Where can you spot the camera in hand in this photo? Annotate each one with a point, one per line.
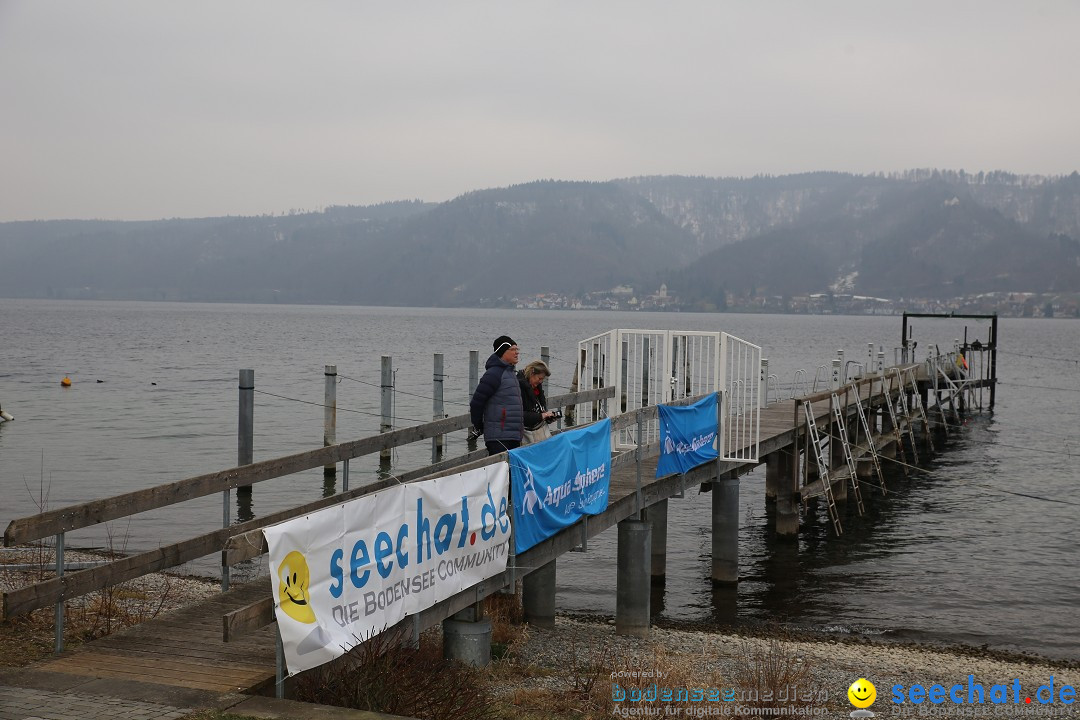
(555, 415)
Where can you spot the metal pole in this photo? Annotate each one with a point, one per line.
(437, 410)
(279, 674)
(637, 459)
(387, 388)
(993, 359)
(763, 397)
(330, 414)
(59, 619)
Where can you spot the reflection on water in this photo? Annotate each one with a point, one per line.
(951, 551)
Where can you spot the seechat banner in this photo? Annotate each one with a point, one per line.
(687, 435)
(343, 574)
(558, 481)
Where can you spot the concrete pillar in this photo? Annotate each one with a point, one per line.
(632, 583)
(888, 444)
(725, 530)
(772, 476)
(538, 596)
(787, 509)
(656, 515)
(467, 641)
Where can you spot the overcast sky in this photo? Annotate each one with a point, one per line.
(140, 110)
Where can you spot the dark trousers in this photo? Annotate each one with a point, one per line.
(494, 447)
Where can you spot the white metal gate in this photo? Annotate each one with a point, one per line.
(740, 434)
(651, 367)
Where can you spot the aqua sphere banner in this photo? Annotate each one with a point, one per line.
(558, 481)
(687, 435)
(345, 573)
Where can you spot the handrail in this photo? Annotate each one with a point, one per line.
(46, 593)
(75, 517)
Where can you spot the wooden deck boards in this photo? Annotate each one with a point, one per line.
(182, 648)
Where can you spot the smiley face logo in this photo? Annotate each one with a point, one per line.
(862, 693)
(293, 579)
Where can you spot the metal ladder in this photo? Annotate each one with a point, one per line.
(922, 409)
(823, 467)
(845, 446)
(906, 414)
(869, 435)
(937, 394)
(896, 430)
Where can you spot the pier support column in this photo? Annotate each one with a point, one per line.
(632, 583)
(538, 596)
(787, 508)
(888, 444)
(725, 530)
(837, 464)
(656, 515)
(467, 636)
(773, 481)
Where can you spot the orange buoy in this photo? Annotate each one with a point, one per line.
(66, 382)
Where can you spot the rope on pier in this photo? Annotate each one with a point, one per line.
(359, 412)
(1038, 387)
(404, 392)
(991, 488)
(1041, 357)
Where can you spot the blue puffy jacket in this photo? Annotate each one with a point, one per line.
(495, 407)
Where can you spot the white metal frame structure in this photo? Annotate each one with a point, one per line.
(740, 362)
(652, 367)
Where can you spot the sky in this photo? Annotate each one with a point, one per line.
(139, 109)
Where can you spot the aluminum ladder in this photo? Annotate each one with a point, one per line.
(845, 446)
(823, 467)
(869, 435)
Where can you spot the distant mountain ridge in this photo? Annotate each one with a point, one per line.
(923, 233)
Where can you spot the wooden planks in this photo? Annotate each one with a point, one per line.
(182, 648)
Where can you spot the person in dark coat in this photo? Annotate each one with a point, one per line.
(533, 402)
(496, 408)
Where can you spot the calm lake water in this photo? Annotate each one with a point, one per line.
(979, 548)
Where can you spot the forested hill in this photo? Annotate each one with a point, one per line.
(925, 233)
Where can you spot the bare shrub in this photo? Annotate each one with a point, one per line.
(383, 675)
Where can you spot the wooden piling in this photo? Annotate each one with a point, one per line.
(386, 424)
(330, 413)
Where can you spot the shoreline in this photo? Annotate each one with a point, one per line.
(824, 666)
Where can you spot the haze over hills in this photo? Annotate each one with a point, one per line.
(921, 233)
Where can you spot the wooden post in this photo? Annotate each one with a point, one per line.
(474, 371)
(330, 413)
(387, 389)
(437, 410)
(246, 433)
(245, 454)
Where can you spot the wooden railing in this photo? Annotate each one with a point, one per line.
(73, 517)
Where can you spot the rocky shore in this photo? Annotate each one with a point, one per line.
(829, 665)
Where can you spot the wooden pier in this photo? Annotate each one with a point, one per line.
(228, 641)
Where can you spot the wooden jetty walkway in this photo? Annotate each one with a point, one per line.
(228, 641)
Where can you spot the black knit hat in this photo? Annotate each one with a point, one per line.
(502, 344)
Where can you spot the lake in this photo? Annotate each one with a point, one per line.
(977, 548)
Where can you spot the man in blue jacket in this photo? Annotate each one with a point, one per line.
(496, 405)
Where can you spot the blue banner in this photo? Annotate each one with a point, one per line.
(686, 436)
(558, 481)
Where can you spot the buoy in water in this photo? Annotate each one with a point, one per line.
(66, 382)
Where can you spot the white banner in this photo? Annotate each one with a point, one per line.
(350, 571)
